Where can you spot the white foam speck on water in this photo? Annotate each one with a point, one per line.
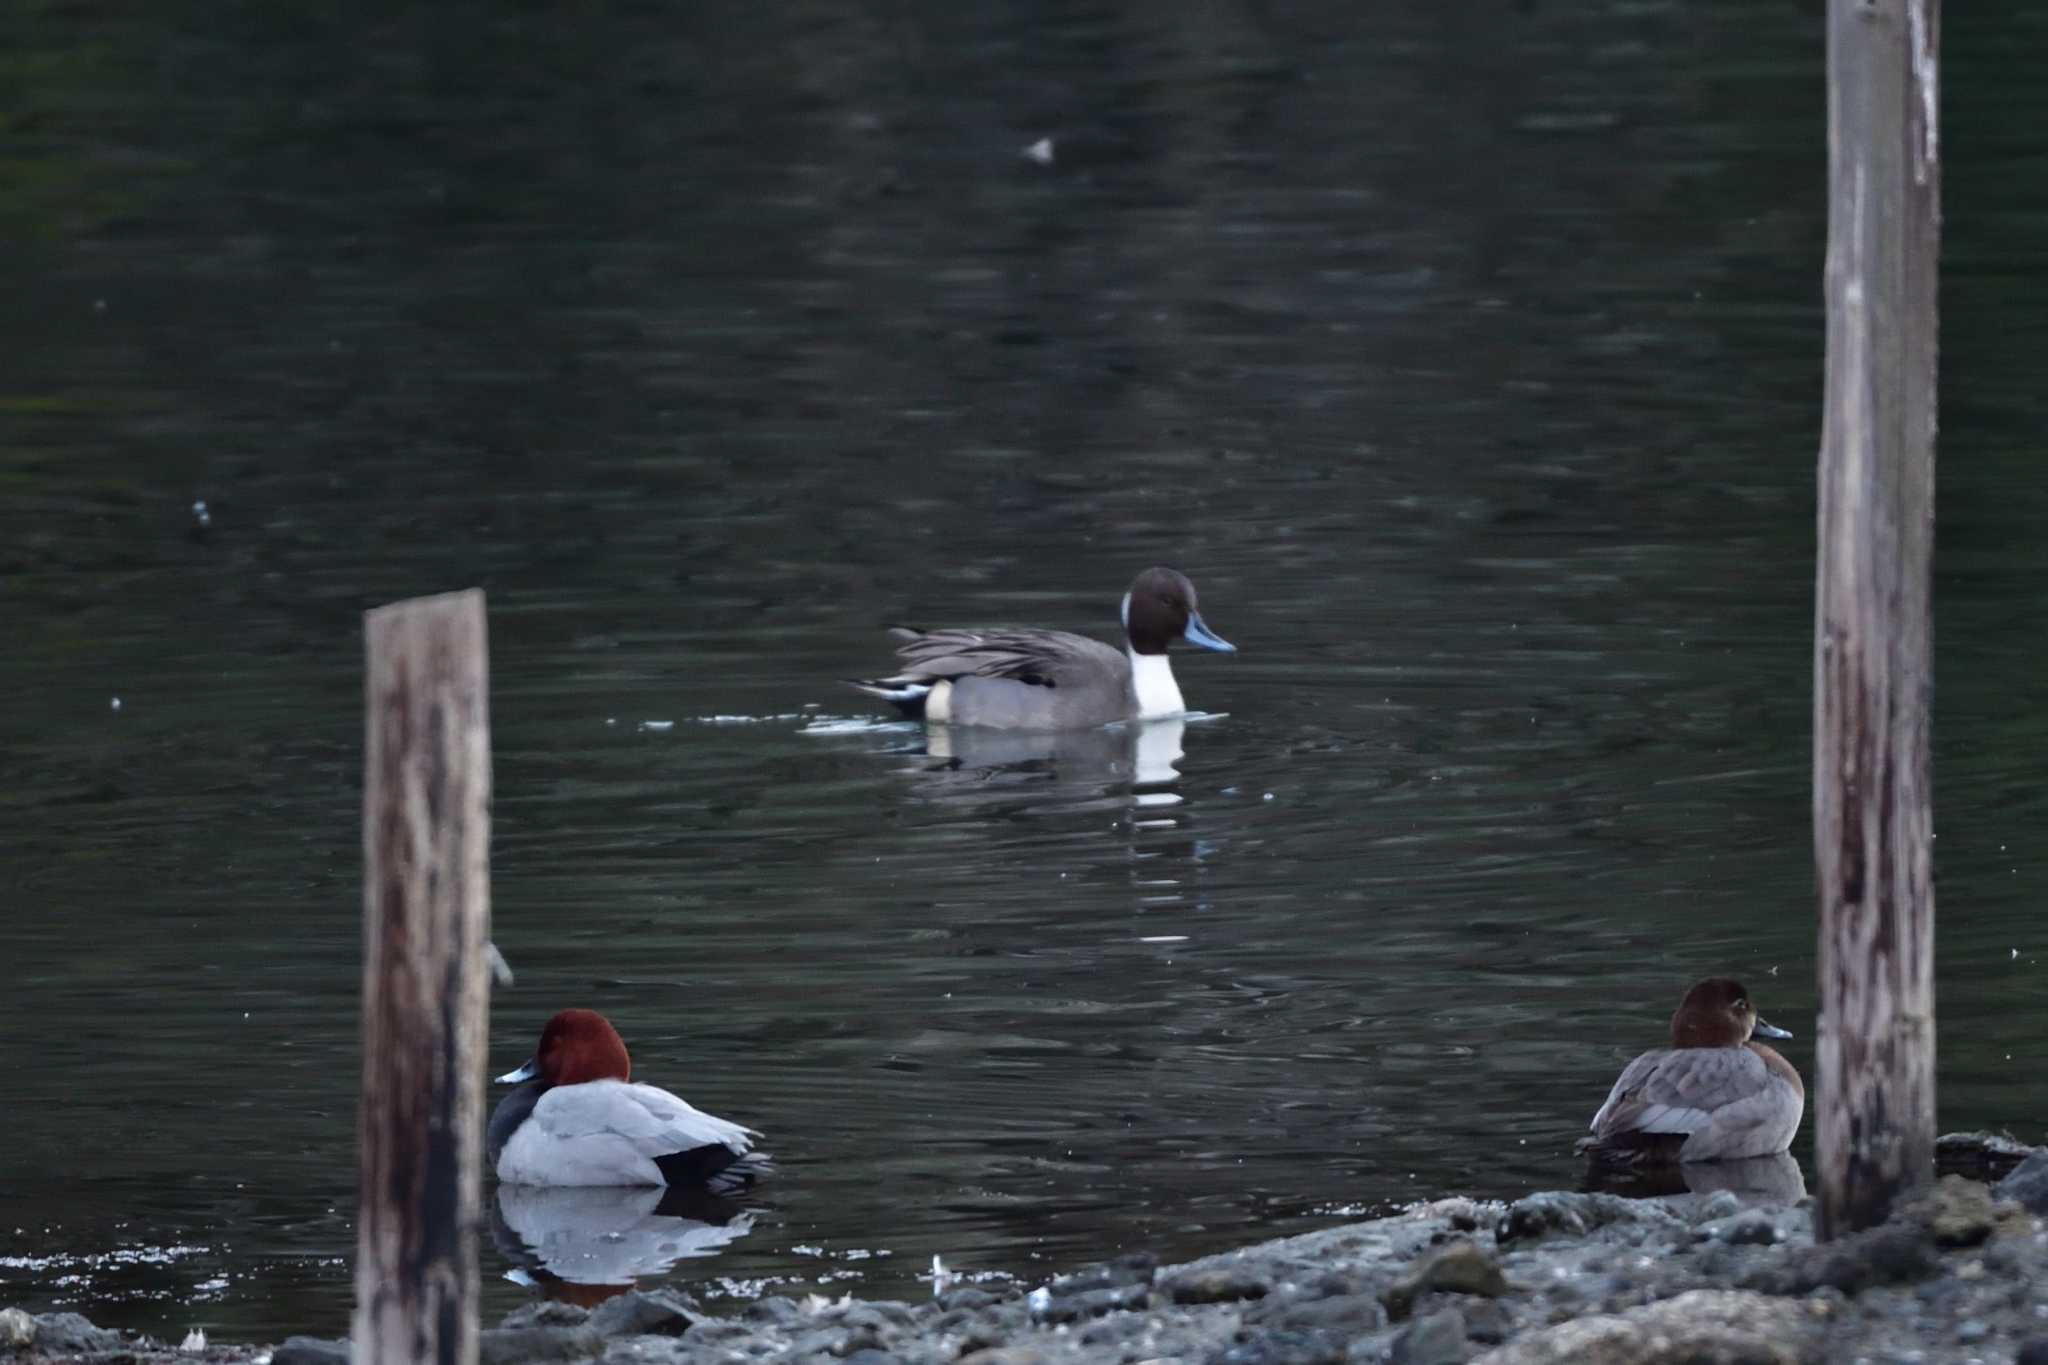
(657, 725)
(1164, 938)
(104, 1260)
(856, 725)
(194, 1342)
(783, 716)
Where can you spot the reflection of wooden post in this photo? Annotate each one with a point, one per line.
(1873, 821)
(426, 988)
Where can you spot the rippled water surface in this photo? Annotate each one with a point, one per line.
(1466, 355)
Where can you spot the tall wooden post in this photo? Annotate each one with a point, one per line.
(426, 985)
(1872, 806)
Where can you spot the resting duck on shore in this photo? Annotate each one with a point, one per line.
(1713, 1095)
(577, 1120)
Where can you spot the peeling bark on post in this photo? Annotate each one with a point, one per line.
(426, 987)
(1873, 820)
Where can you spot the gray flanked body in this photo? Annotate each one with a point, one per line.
(1018, 679)
(1726, 1102)
(1031, 679)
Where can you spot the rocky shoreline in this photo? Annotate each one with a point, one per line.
(1707, 1275)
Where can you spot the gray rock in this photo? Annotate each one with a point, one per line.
(311, 1351)
(69, 1334)
(775, 1308)
(1486, 1321)
(1705, 1325)
(1007, 1355)
(1459, 1267)
(1432, 1339)
(835, 1341)
(1957, 1212)
(1344, 1314)
(966, 1297)
(1093, 1303)
(1555, 1211)
(654, 1351)
(876, 1315)
(2028, 1184)
(1894, 1253)
(1280, 1348)
(639, 1313)
(1716, 1206)
(1136, 1268)
(1215, 1286)
(522, 1345)
(1973, 1329)
(546, 1313)
(17, 1329)
(1750, 1228)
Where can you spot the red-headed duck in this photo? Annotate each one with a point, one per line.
(577, 1120)
(1714, 1095)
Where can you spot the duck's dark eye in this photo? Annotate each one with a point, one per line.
(1741, 1004)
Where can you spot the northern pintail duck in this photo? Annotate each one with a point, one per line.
(576, 1119)
(1029, 679)
(1714, 1095)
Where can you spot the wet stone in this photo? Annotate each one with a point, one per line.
(643, 1313)
(1973, 1329)
(1958, 1212)
(1486, 1321)
(546, 1313)
(1135, 1268)
(312, 1351)
(69, 1334)
(1701, 1326)
(1433, 1339)
(1349, 1314)
(1895, 1253)
(654, 1351)
(1555, 1211)
(1718, 1205)
(518, 1345)
(1215, 1286)
(2028, 1184)
(783, 1312)
(1280, 1348)
(968, 1297)
(17, 1329)
(1460, 1267)
(1093, 1303)
(1751, 1228)
(1007, 1355)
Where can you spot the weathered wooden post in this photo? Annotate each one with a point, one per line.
(1872, 809)
(426, 988)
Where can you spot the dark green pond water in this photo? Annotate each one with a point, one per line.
(1467, 355)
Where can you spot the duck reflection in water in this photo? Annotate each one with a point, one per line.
(1773, 1181)
(1146, 754)
(584, 1244)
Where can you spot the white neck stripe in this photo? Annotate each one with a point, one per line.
(1153, 685)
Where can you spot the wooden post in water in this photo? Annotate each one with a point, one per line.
(1872, 806)
(426, 988)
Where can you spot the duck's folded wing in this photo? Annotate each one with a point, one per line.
(1679, 1090)
(1031, 656)
(650, 1120)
